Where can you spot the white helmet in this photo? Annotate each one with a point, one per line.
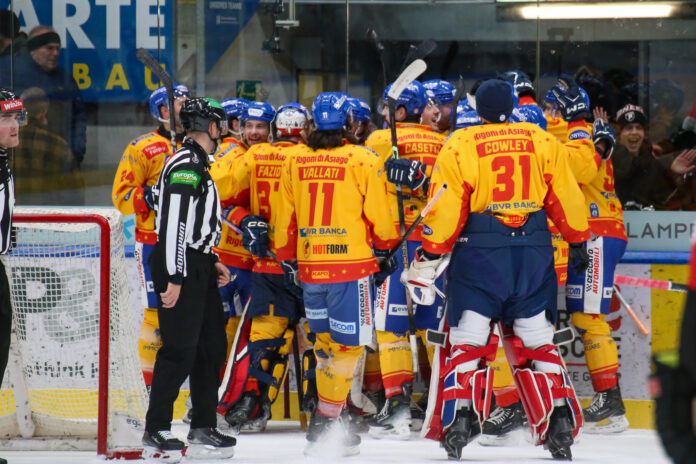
(291, 120)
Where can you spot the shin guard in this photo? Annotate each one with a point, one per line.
(540, 392)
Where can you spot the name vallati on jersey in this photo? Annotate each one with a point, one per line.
(322, 173)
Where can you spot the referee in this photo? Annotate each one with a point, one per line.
(12, 116)
(186, 274)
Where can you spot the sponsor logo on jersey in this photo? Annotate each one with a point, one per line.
(321, 275)
(427, 230)
(155, 149)
(494, 147)
(398, 310)
(322, 173)
(321, 313)
(608, 292)
(592, 273)
(594, 210)
(305, 248)
(267, 171)
(578, 135)
(574, 292)
(342, 327)
(324, 231)
(149, 287)
(186, 178)
(329, 249)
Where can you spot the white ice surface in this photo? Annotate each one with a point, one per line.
(283, 442)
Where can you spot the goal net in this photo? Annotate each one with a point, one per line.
(73, 380)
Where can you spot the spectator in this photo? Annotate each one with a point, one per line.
(12, 41)
(67, 116)
(640, 180)
(43, 163)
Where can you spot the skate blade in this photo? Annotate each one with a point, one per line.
(507, 439)
(615, 424)
(199, 451)
(330, 450)
(158, 455)
(400, 432)
(254, 426)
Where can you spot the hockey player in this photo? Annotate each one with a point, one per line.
(526, 110)
(418, 148)
(137, 172)
(334, 212)
(361, 125)
(503, 180)
(589, 293)
(256, 116)
(273, 309)
(234, 109)
(186, 275)
(440, 102)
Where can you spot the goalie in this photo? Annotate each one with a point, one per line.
(504, 179)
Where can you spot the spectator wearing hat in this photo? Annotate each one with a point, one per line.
(641, 181)
(67, 115)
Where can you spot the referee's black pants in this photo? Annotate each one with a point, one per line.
(5, 320)
(194, 343)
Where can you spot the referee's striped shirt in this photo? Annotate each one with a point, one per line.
(187, 208)
(7, 202)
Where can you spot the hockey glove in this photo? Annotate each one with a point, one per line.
(148, 198)
(420, 277)
(578, 257)
(255, 235)
(603, 132)
(386, 266)
(406, 172)
(572, 100)
(292, 278)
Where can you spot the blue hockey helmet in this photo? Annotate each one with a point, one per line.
(412, 98)
(467, 119)
(258, 111)
(529, 113)
(159, 98)
(234, 107)
(441, 90)
(360, 109)
(330, 111)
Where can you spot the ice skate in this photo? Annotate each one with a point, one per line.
(187, 417)
(501, 426)
(241, 411)
(209, 443)
(606, 413)
(560, 435)
(162, 446)
(394, 420)
(464, 428)
(329, 437)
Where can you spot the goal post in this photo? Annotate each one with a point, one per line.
(74, 379)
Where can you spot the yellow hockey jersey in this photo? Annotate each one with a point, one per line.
(334, 206)
(139, 167)
(557, 127)
(508, 171)
(415, 141)
(255, 186)
(229, 249)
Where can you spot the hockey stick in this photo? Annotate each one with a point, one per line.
(644, 330)
(298, 378)
(418, 220)
(650, 283)
(411, 72)
(418, 52)
(460, 91)
(372, 37)
(150, 63)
